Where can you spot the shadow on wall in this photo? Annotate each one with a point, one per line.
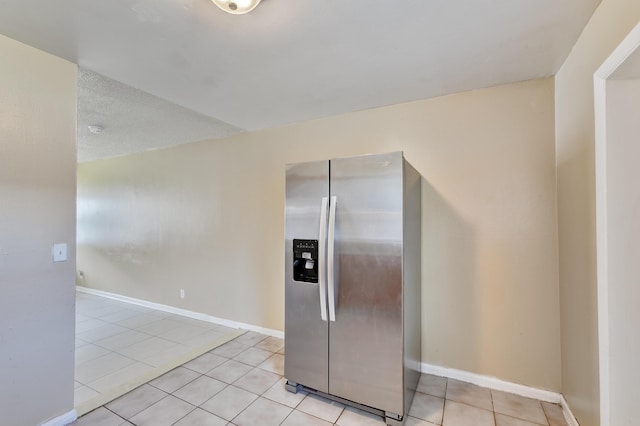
(578, 291)
(450, 315)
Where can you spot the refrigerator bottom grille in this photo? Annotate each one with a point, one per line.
(392, 419)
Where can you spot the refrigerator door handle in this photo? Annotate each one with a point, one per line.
(322, 259)
(330, 260)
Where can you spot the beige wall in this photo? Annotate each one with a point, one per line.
(623, 210)
(208, 217)
(37, 209)
(576, 202)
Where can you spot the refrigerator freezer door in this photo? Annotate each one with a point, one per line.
(366, 340)
(306, 328)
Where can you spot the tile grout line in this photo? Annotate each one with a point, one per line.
(493, 408)
(146, 408)
(295, 408)
(115, 371)
(226, 384)
(133, 362)
(288, 415)
(545, 414)
(195, 407)
(111, 411)
(260, 395)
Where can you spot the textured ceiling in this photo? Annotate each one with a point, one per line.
(290, 61)
(134, 120)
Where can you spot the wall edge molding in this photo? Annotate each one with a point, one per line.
(502, 385)
(183, 312)
(627, 47)
(62, 420)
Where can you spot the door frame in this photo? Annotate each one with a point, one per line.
(629, 46)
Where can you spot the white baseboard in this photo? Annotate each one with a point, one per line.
(464, 376)
(568, 414)
(63, 420)
(183, 312)
(502, 385)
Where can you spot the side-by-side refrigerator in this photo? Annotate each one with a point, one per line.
(352, 281)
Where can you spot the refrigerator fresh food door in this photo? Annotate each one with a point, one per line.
(306, 325)
(365, 340)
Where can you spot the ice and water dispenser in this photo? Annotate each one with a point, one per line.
(305, 260)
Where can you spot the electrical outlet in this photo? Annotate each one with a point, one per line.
(182, 293)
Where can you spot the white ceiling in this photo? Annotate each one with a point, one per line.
(291, 60)
(134, 120)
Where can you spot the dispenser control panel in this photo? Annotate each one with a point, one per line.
(305, 260)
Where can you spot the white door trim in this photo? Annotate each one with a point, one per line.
(628, 46)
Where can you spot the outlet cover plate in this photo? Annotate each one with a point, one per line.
(59, 252)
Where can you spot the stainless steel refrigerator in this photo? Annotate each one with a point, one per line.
(352, 281)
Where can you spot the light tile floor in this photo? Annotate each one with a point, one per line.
(117, 342)
(241, 383)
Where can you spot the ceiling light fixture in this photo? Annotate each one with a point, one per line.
(236, 7)
(95, 129)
